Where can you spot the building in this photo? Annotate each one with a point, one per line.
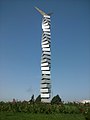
(85, 101)
(45, 87)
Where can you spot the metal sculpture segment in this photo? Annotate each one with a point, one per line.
(45, 88)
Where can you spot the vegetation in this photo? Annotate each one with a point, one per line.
(35, 110)
(87, 114)
(56, 100)
(27, 116)
(38, 99)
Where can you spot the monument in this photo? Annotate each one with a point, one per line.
(45, 87)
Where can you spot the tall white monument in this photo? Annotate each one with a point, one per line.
(45, 87)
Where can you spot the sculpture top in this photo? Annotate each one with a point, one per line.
(42, 13)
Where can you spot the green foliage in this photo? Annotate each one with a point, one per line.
(38, 99)
(32, 116)
(45, 108)
(87, 114)
(56, 100)
(32, 99)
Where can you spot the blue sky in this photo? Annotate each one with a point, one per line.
(20, 48)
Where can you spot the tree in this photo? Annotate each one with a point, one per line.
(38, 99)
(56, 100)
(32, 99)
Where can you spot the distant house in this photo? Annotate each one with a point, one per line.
(85, 101)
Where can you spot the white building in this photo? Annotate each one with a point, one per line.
(85, 101)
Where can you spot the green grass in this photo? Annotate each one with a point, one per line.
(27, 116)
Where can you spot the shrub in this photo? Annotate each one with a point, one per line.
(56, 100)
(87, 115)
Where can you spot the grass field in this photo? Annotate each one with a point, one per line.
(27, 116)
